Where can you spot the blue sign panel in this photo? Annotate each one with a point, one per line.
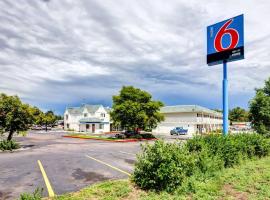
(225, 41)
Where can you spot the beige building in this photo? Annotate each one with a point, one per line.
(196, 119)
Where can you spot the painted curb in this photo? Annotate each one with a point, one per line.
(127, 140)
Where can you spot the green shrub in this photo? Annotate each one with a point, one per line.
(232, 148)
(147, 136)
(166, 166)
(163, 166)
(137, 136)
(8, 145)
(36, 195)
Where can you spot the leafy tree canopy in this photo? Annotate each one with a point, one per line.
(15, 116)
(134, 108)
(260, 109)
(238, 115)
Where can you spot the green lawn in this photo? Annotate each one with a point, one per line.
(251, 180)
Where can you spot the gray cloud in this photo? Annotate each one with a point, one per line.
(60, 52)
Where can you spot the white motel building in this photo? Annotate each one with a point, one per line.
(96, 119)
(196, 119)
(87, 118)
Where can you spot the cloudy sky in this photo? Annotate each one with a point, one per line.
(55, 53)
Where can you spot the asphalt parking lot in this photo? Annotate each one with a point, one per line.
(70, 164)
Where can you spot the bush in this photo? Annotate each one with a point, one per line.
(36, 195)
(163, 166)
(147, 136)
(137, 136)
(233, 148)
(8, 145)
(166, 166)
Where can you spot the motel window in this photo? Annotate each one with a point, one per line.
(101, 126)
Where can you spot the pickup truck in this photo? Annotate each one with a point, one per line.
(179, 131)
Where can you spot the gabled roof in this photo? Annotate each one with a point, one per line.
(188, 108)
(79, 110)
(92, 108)
(75, 110)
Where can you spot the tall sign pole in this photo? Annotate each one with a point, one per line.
(225, 43)
(225, 99)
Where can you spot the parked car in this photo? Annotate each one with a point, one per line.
(36, 127)
(179, 131)
(48, 127)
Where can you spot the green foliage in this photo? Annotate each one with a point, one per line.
(166, 166)
(36, 195)
(37, 115)
(134, 108)
(15, 116)
(233, 148)
(8, 145)
(136, 136)
(108, 190)
(41, 118)
(147, 136)
(163, 166)
(143, 136)
(260, 110)
(238, 115)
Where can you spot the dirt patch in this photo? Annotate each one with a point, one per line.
(4, 195)
(230, 191)
(129, 161)
(79, 174)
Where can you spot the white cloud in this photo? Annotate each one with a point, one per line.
(55, 52)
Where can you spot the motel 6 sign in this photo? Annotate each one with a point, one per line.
(225, 41)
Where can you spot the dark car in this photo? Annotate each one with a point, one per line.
(179, 131)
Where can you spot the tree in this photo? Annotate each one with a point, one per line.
(48, 118)
(37, 115)
(134, 108)
(238, 115)
(260, 109)
(15, 116)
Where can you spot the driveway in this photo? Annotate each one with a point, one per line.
(70, 164)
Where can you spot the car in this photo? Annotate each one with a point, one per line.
(48, 127)
(36, 127)
(179, 131)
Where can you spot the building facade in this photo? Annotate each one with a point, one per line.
(87, 118)
(196, 119)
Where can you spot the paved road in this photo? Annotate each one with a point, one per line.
(65, 162)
